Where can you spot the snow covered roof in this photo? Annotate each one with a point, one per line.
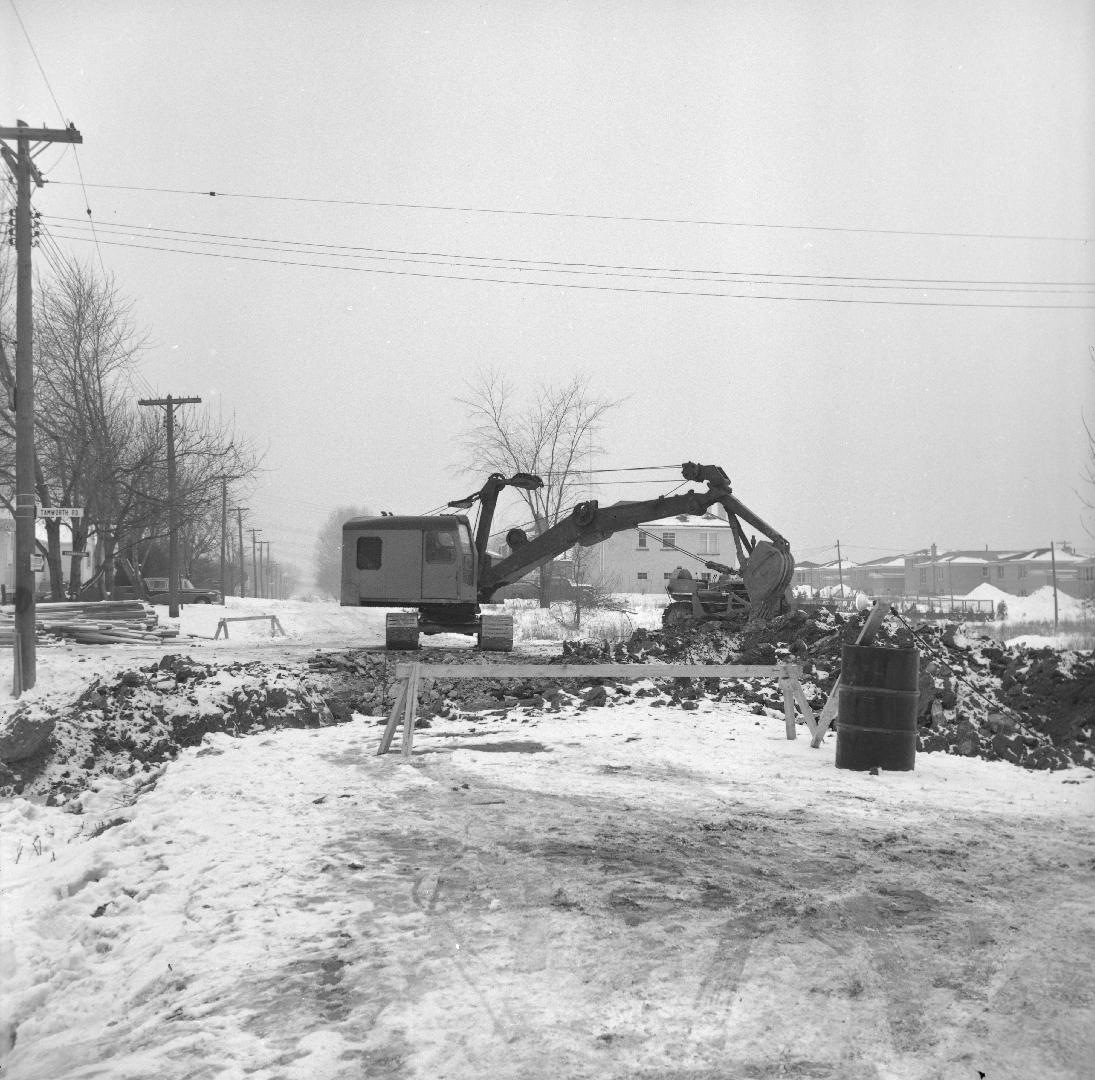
(897, 561)
(1044, 555)
(687, 521)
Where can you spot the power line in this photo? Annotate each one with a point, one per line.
(844, 280)
(63, 118)
(34, 53)
(649, 219)
(585, 286)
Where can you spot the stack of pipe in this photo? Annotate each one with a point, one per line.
(93, 622)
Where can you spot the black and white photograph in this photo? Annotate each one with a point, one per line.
(547, 540)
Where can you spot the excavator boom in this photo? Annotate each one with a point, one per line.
(767, 570)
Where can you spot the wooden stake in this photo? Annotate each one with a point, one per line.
(804, 705)
(788, 707)
(393, 718)
(410, 710)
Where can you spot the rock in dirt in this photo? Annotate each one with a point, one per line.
(24, 735)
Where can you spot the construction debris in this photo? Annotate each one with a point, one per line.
(131, 723)
(92, 622)
(978, 698)
(1031, 707)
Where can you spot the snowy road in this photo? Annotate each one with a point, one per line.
(625, 892)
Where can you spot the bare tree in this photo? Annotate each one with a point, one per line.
(551, 435)
(94, 448)
(327, 554)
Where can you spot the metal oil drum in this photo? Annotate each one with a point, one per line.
(876, 711)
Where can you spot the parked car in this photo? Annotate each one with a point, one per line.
(159, 590)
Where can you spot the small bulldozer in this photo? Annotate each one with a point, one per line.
(732, 598)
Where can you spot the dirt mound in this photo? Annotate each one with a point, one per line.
(1032, 707)
(131, 723)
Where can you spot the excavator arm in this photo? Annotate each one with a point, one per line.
(767, 566)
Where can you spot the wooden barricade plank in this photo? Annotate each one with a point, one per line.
(804, 705)
(275, 624)
(409, 676)
(788, 706)
(601, 671)
(394, 718)
(410, 708)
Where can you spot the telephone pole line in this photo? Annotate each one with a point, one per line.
(23, 170)
(254, 573)
(266, 572)
(224, 537)
(171, 404)
(239, 511)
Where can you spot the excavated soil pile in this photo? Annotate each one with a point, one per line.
(1032, 707)
(133, 722)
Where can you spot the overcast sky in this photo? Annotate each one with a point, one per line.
(720, 170)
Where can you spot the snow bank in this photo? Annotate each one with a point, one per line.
(1034, 608)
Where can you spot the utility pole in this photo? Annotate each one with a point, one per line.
(171, 404)
(224, 536)
(254, 572)
(239, 512)
(266, 571)
(1053, 565)
(260, 581)
(23, 169)
(840, 569)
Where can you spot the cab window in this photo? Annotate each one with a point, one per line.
(440, 546)
(368, 552)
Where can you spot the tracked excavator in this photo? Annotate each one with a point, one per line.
(436, 567)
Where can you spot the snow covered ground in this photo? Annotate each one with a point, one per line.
(631, 891)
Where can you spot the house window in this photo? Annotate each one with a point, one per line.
(708, 543)
(642, 540)
(923, 577)
(643, 575)
(669, 539)
(1022, 574)
(999, 573)
(1087, 573)
(665, 577)
(368, 552)
(984, 571)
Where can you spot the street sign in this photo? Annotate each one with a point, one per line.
(75, 554)
(60, 511)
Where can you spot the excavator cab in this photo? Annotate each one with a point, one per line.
(394, 561)
(425, 563)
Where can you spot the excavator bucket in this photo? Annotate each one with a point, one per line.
(767, 574)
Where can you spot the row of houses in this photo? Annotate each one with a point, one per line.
(929, 572)
(642, 560)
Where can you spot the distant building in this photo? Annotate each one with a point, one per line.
(956, 573)
(641, 560)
